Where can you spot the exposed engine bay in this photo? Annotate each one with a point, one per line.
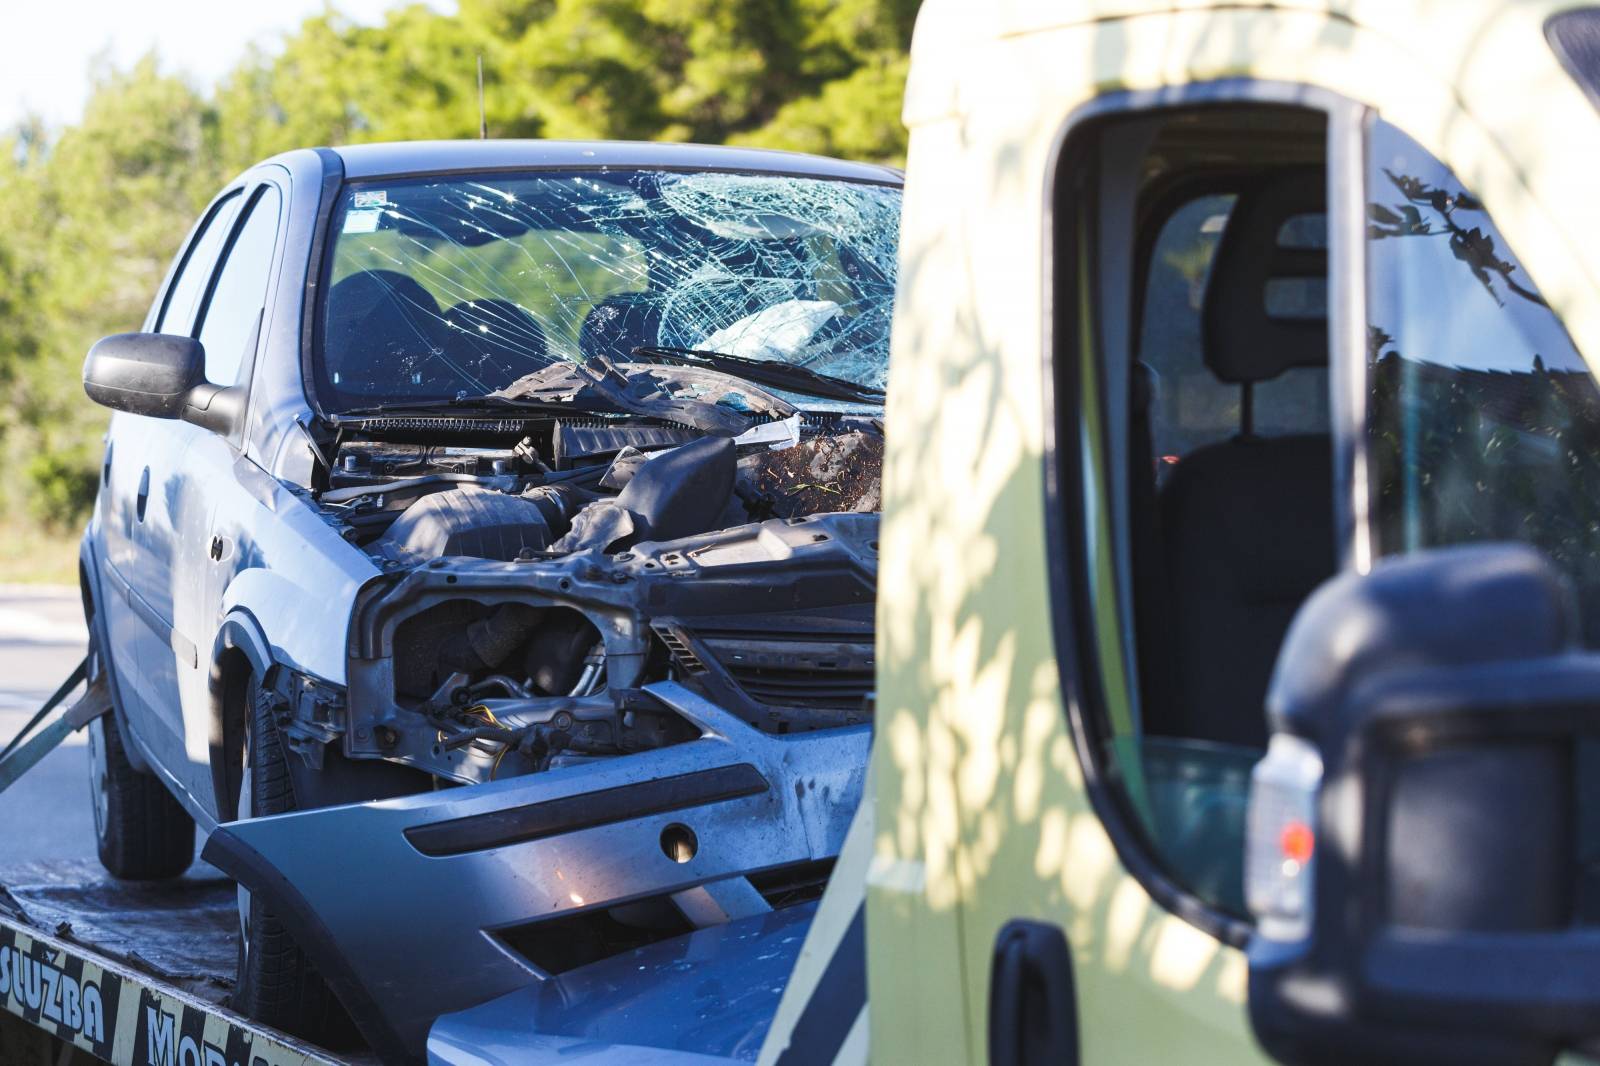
(541, 571)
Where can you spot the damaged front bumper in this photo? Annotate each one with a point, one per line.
(413, 907)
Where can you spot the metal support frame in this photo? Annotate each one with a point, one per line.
(21, 754)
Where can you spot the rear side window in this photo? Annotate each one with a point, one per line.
(183, 296)
(228, 324)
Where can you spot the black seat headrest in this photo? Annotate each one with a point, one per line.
(1245, 341)
(381, 327)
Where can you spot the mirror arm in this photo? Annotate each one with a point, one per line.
(217, 408)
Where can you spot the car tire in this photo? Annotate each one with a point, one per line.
(277, 983)
(141, 832)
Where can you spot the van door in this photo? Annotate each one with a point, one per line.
(1195, 499)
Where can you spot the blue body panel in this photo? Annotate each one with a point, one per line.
(710, 994)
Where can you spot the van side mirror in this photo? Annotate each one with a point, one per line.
(1416, 853)
(161, 376)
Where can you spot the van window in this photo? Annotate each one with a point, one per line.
(1485, 420)
(1207, 475)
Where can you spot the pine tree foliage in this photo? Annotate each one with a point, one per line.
(91, 214)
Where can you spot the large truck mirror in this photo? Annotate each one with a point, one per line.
(1413, 854)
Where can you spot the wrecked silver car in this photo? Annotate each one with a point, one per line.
(496, 589)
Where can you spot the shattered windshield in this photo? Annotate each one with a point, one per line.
(457, 287)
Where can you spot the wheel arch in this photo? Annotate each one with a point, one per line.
(240, 650)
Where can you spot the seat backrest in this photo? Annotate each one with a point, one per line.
(387, 334)
(1249, 535)
(1246, 524)
(496, 340)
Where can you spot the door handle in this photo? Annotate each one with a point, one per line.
(144, 493)
(1033, 1009)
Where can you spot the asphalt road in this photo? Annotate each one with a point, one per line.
(46, 829)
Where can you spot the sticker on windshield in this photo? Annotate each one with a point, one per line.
(370, 198)
(362, 221)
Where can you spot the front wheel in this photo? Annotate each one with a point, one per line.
(141, 832)
(277, 984)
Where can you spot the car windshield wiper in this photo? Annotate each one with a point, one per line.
(767, 372)
(499, 406)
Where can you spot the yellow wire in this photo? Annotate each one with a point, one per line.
(504, 747)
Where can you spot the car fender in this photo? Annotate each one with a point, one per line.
(239, 638)
(303, 627)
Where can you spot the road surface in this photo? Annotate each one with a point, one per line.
(45, 825)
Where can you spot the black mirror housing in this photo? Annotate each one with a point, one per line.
(158, 375)
(149, 374)
(1448, 701)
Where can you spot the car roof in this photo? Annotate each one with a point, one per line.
(399, 158)
(1000, 18)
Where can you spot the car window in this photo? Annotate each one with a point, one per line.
(177, 314)
(460, 286)
(229, 321)
(1485, 420)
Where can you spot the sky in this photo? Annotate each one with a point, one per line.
(46, 45)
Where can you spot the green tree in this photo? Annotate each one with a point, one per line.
(91, 215)
(94, 218)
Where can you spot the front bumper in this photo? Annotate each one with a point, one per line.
(707, 996)
(398, 902)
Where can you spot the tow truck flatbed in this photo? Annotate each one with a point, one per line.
(135, 974)
(130, 974)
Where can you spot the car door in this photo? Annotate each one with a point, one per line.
(132, 588)
(191, 471)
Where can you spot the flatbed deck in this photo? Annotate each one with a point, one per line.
(130, 974)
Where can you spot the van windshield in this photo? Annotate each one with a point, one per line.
(456, 287)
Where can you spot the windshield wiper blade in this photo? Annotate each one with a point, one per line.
(767, 372)
(459, 405)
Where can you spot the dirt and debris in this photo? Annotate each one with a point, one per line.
(838, 472)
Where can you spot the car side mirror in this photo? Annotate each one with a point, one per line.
(1416, 854)
(161, 376)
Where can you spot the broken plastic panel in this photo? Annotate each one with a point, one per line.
(460, 286)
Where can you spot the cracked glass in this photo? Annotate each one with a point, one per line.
(457, 287)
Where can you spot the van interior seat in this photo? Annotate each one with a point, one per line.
(1246, 525)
